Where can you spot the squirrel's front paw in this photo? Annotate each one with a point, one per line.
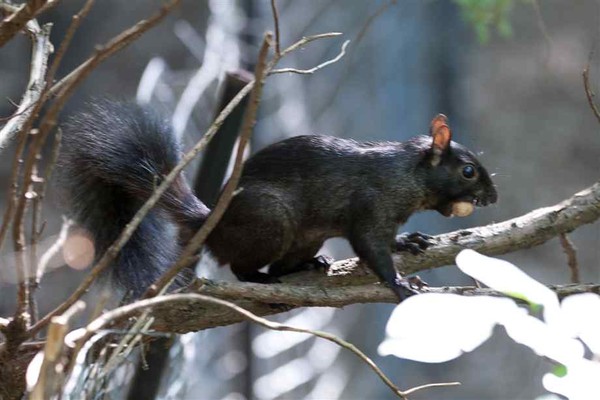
(404, 289)
(417, 282)
(415, 242)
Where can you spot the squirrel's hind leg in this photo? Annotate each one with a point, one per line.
(300, 258)
(256, 229)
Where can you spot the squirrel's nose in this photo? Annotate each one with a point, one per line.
(490, 196)
(487, 196)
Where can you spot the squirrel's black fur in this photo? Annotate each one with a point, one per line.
(112, 157)
(295, 194)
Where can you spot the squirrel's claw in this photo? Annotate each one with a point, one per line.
(404, 289)
(415, 243)
(417, 282)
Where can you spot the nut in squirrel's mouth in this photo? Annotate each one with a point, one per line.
(461, 207)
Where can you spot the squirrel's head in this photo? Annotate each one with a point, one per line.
(455, 180)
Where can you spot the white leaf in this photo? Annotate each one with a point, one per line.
(580, 382)
(436, 327)
(507, 278)
(579, 318)
(542, 338)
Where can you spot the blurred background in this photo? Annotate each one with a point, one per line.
(506, 72)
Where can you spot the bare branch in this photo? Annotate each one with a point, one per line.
(571, 252)
(31, 114)
(49, 377)
(276, 23)
(64, 45)
(40, 51)
(429, 386)
(588, 90)
(542, 25)
(53, 250)
(184, 318)
(318, 67)
(114, 45)
(20, 17)
(304, 41)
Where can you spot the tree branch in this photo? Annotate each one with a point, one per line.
(40, 51)
(182, 317)
(347, 282)
(133, 309)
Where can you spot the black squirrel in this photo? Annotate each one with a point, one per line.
(295, 194)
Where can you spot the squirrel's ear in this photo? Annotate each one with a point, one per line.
(440, 131)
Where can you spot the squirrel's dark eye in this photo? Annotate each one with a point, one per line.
(468, 171)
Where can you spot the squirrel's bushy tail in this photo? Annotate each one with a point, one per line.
(112, 157)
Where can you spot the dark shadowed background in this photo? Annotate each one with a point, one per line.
(518, 99)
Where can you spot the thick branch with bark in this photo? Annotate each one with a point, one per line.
(185, 316)
(347, 282)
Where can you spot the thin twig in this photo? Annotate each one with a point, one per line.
(13, 189)
(40, 52)
(63, 89)
(23, 268)
(276, 23)
(248, 122)
(16, 113)
(20, 17)
(47, 176)
(134, 308)
(114, 45)
(355, 42)
(429, 386)
(41, 49)
(64, 45)
(49, 372)
(74, 78)
(303, 42)
(53, 250)
(27, 122)
(365, 27)
(542, 25)
(588, 90)
(571, 252)
(36, 227)
(314, 69)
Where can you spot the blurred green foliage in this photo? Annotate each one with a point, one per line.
(486, 15)
(560, 370)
